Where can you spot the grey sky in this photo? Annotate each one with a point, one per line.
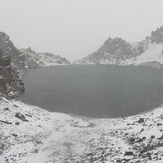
(76, 28)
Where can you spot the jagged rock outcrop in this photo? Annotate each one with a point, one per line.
(157, 36)
(117, 51)
(10, 84)
(8, 49)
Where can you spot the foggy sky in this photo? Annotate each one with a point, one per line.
(76, 28)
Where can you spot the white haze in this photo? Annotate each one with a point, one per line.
(76, 28)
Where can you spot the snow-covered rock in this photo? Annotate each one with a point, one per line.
(9, 50)
(46, 137)
(34, 59)
(117, 51)
(10, 83)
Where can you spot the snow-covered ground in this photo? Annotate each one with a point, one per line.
(29, 134)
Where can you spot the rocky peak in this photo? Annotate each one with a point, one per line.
(116, 46)
(157, 35)
(29, 50)
(115, 50)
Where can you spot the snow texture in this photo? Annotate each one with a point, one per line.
(30, 135)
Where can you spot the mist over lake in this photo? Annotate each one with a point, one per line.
(95, 90)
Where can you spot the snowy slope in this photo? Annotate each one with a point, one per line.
(151, 57)
(153, 54)
(30, 135)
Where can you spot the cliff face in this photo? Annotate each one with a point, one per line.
(8, 49)
(10, 84)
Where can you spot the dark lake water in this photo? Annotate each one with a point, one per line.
(95, 90)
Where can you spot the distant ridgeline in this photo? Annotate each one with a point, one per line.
(117, 51)
(14, 63)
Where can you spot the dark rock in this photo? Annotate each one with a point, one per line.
(2, 146)
(28, 115)
(152, 137)
(21, 116)
(159, 124)
(15, 135)
(38, 142)
(6, 122)
(140, 140)
(141, 120)
(129, 153)
(132, 140)
(17, 123)
(36, 150)
(6, 109)
(149, 155)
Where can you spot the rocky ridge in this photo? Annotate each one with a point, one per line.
(34, 59)
(117, 51)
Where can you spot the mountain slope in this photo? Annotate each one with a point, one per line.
(117, 51)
